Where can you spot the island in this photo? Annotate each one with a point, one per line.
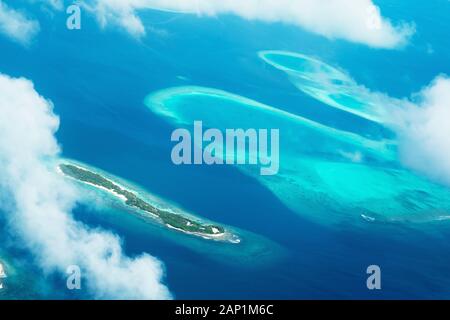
(133, 200)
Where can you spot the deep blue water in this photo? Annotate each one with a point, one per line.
(98, 80)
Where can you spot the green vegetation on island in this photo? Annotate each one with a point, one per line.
(170, 219)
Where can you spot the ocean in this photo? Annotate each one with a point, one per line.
(292, 247)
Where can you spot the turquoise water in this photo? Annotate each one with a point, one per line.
(317, 174)
(326, 84)
(341, 201)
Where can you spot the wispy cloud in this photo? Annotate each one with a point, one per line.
(16, 25)
(358, 21)
(39, 203)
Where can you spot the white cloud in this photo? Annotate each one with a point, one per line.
(39, 202)
(16, 25)
(424, 131)
(358, 21)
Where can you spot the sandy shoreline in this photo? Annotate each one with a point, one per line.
(120, 196)
(111, 192)
(219, 236)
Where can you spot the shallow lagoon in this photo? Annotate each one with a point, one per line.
(328, 84)
(322, 169)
